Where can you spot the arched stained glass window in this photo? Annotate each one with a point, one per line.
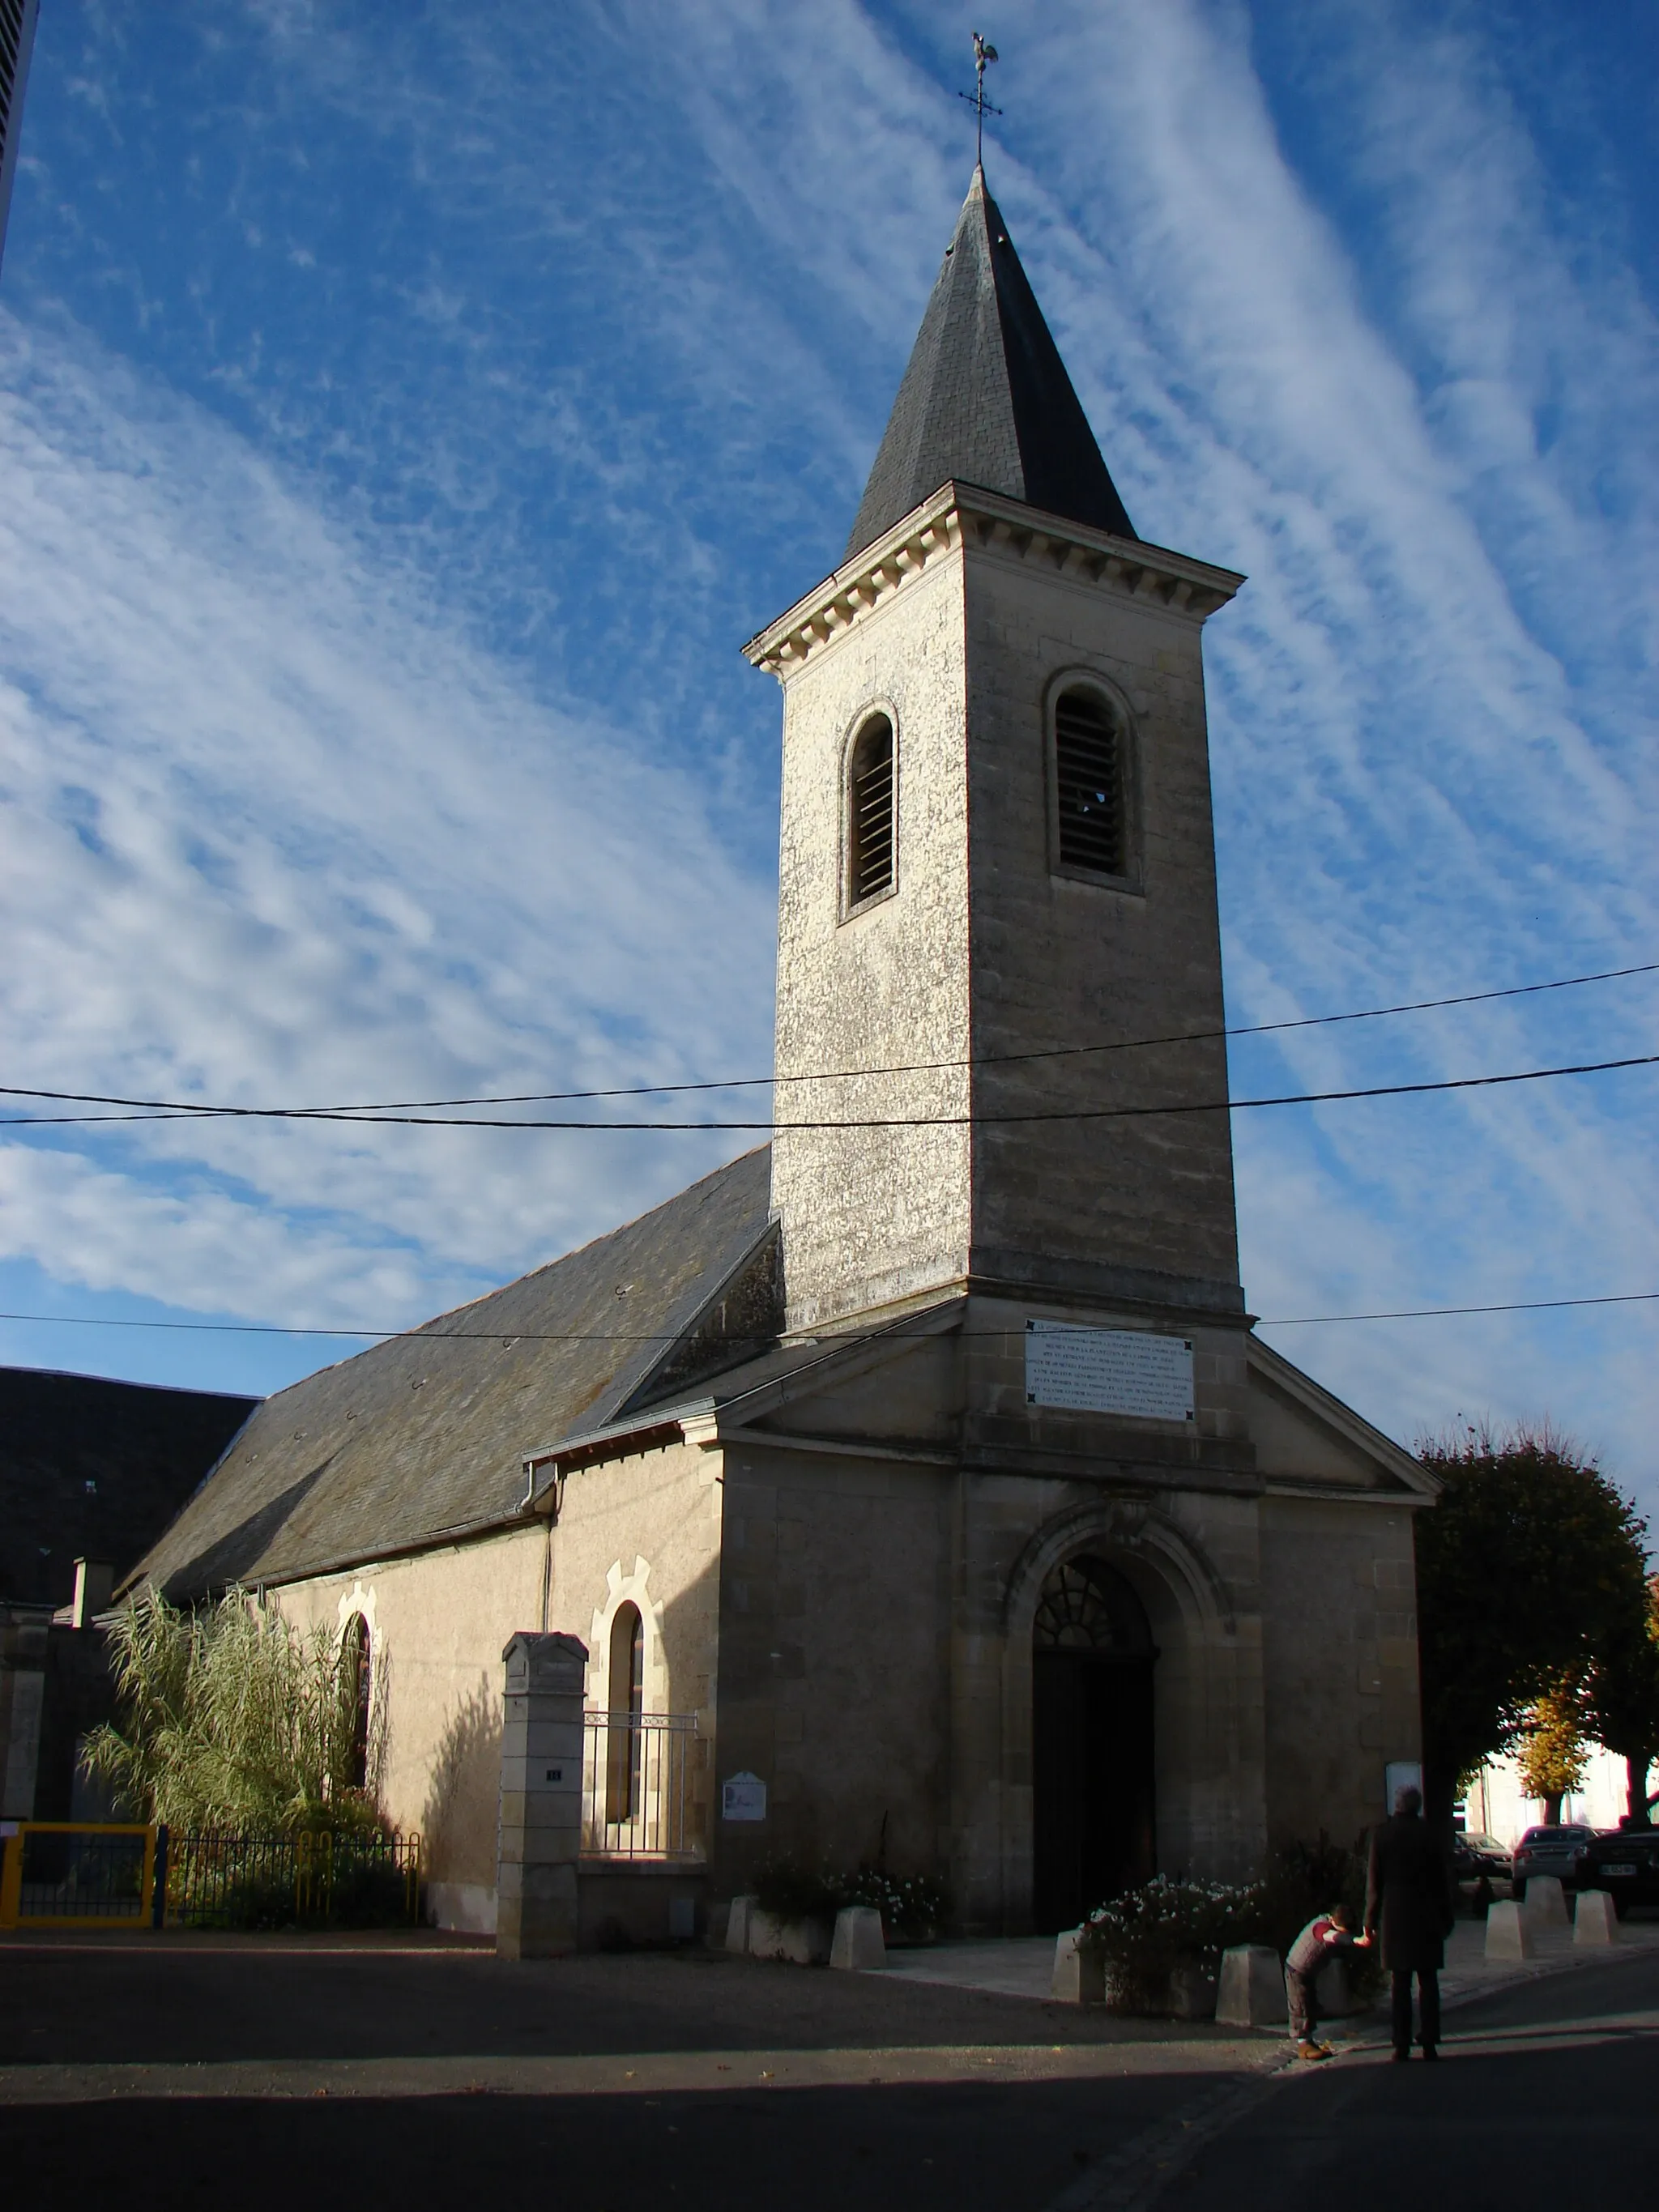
(1086, 1606)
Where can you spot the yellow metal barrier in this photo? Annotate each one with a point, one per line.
(49, 1901)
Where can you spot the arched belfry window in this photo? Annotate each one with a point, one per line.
(1086, 1606)
(356, 1686)
(1091, 796)
(870, 812)
(626, 1740)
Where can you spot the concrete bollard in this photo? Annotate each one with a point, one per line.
(857, 1944)
(799, 1942)
(1546, 1907)
(1593, 1919)
(1252, 1992)
(1080, 1974)
(737, 1925)
(1509, 1931)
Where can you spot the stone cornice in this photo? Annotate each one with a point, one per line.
(960, 515)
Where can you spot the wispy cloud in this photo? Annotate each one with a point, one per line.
(524, 375)
(275, 833)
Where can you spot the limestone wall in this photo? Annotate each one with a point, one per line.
(876, 1664)
(1060, 960)
(1339, 1649)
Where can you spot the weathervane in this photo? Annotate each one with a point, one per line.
(983, 52)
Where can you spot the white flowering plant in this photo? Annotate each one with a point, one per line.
(1147, 1934)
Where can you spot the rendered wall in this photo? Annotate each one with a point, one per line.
(644, 1528)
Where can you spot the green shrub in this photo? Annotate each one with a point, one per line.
(913, 1907)
(1145, 1934)
(789, 1891)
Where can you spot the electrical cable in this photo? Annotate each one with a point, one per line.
(177, 1106)
(379, 1120)
(425, 1333)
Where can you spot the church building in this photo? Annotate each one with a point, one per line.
(917, 1486)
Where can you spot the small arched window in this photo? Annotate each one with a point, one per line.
(870, 812)
(357, 1685)
(1091, 814)
(627, 1702)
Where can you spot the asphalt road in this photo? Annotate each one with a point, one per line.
(308, 2081)
(182, 2075)
(1545, 2096)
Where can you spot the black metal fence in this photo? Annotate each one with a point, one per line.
(115, 1875)
(286, 1882)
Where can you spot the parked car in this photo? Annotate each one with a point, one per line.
(1473, 1855)
(1625, 1861)
(1560, 1852)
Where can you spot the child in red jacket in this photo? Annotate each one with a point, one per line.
(1325, 1935)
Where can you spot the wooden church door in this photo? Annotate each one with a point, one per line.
(1092, 1740)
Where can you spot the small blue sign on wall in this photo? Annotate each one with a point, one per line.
(743, 1798)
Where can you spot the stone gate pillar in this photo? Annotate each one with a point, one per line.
(540, 1833)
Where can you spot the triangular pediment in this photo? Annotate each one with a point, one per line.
(1308, 1438)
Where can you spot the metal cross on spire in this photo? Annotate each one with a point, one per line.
(984, 51)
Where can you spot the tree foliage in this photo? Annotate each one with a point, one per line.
(230, 1718)
(1621, 1694)
(1554, 1756)
(1528, 1564)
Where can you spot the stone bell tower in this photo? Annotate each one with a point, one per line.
(998, 865)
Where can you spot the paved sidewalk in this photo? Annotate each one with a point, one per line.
(1020, 1966)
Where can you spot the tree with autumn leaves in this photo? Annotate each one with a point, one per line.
(1538, 1621)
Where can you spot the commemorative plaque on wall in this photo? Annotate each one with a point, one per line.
(1108, 1370)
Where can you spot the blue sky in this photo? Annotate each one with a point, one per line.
(407, 413)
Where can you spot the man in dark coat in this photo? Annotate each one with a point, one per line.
(1410, 1892)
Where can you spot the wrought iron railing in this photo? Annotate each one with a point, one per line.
(123, 1875)
(67, 1873)
(637, 1773)
(280, 1881)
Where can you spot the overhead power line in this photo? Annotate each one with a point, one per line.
(177, 1106)
(379, 1119)
(426, 1334)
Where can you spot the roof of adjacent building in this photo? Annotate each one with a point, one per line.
(423, 1437)
(93, 1468)
(986, 399)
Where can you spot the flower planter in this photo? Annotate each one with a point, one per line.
(1184, 1993)
(1193, 1993)
(803, 1943)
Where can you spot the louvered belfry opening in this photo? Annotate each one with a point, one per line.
(870, 812)
(1089, 784)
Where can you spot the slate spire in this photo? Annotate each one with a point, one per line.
(986, 399)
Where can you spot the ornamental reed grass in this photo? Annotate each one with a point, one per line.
(230, 1719)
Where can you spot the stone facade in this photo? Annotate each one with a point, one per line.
(910, 1607)
(962, 625)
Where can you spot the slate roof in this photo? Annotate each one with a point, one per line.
(95, 1469)
(423, 1437)
(986, 399)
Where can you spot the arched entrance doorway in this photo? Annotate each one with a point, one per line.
(1091, 1742)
